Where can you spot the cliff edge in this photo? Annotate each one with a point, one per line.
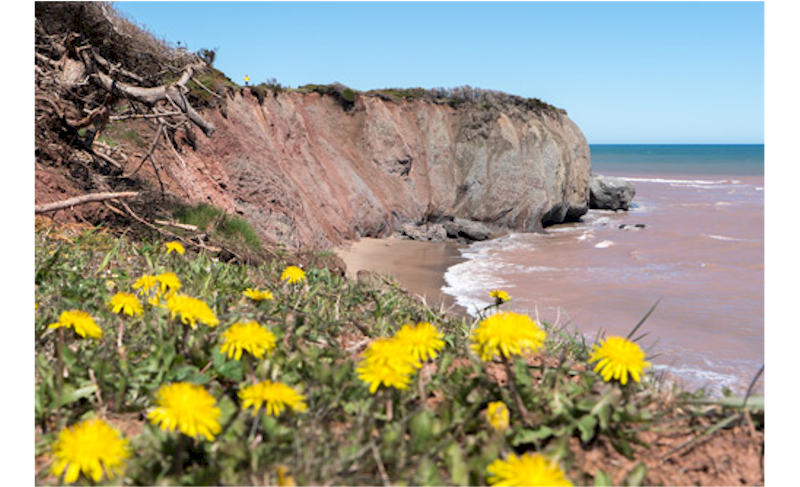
(306, 171)
(118, 111)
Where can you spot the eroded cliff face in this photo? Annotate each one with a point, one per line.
(306, 172)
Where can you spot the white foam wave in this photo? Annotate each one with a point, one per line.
(465, 280)
(711, 381)
(604, 244)
(700, 182)
(694, 370)
(541, 268)
(595, 218)
(697, 183)
(729, 239)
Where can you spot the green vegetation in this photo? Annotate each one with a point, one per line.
(344, 95)
(204, 85)
(435, 432)
(400, 93)
(217, 223)
(117, 345)
(455, 97)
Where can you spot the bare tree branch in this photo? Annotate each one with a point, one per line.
(79, 200)
(150, 96)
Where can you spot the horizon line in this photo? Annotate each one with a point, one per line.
(676, 143)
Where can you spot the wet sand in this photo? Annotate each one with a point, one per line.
(417, 266)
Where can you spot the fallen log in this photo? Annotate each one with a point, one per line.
(83, 199)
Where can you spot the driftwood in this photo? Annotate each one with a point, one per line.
(80, 200)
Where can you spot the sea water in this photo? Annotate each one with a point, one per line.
(698, 251)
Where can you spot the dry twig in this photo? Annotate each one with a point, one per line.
(80, 200)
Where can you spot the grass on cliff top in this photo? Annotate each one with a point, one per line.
(435, 432)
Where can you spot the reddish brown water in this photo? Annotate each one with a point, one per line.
(701, 253)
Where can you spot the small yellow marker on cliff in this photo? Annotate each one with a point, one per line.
(246, 80)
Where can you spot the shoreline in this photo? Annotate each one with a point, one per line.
(418, 266)
(699, 251)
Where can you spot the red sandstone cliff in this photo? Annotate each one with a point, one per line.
(306, 172)
(307, 167)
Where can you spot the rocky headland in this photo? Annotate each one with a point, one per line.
(309, 167)
(306, 171)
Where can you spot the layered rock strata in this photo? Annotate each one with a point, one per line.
(307, 172)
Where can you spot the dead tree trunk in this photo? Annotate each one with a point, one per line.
(151, 96)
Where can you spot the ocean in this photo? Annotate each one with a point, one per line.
(698, 251)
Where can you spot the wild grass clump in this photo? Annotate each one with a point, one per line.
(217, 223)
(234, 374)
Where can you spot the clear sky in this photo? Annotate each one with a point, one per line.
(627, 72)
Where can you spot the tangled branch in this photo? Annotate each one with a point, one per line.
(87, 58)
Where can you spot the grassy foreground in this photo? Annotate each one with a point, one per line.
(446, 427)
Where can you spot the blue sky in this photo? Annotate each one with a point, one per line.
(627, 72)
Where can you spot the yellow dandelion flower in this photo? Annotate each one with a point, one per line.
(169, 283)
(499, 296)
(507, 333)
(528, 469)
(424, 340)
(293, 274)
(389, 362)
(497, 415)
(616, 357)
(187, 407)
(251, 337)
(258, 295)
(175, 247)
(191, 310)
(145, 284)
(125, 303)
(80, 321)
(91, 447)
(275, 396)
(284, 479)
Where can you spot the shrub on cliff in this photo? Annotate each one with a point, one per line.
(344, 95)
(217, 223)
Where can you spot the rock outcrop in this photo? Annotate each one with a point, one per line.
(610, 193)
(307, 172)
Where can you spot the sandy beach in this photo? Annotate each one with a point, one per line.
(418, 266)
